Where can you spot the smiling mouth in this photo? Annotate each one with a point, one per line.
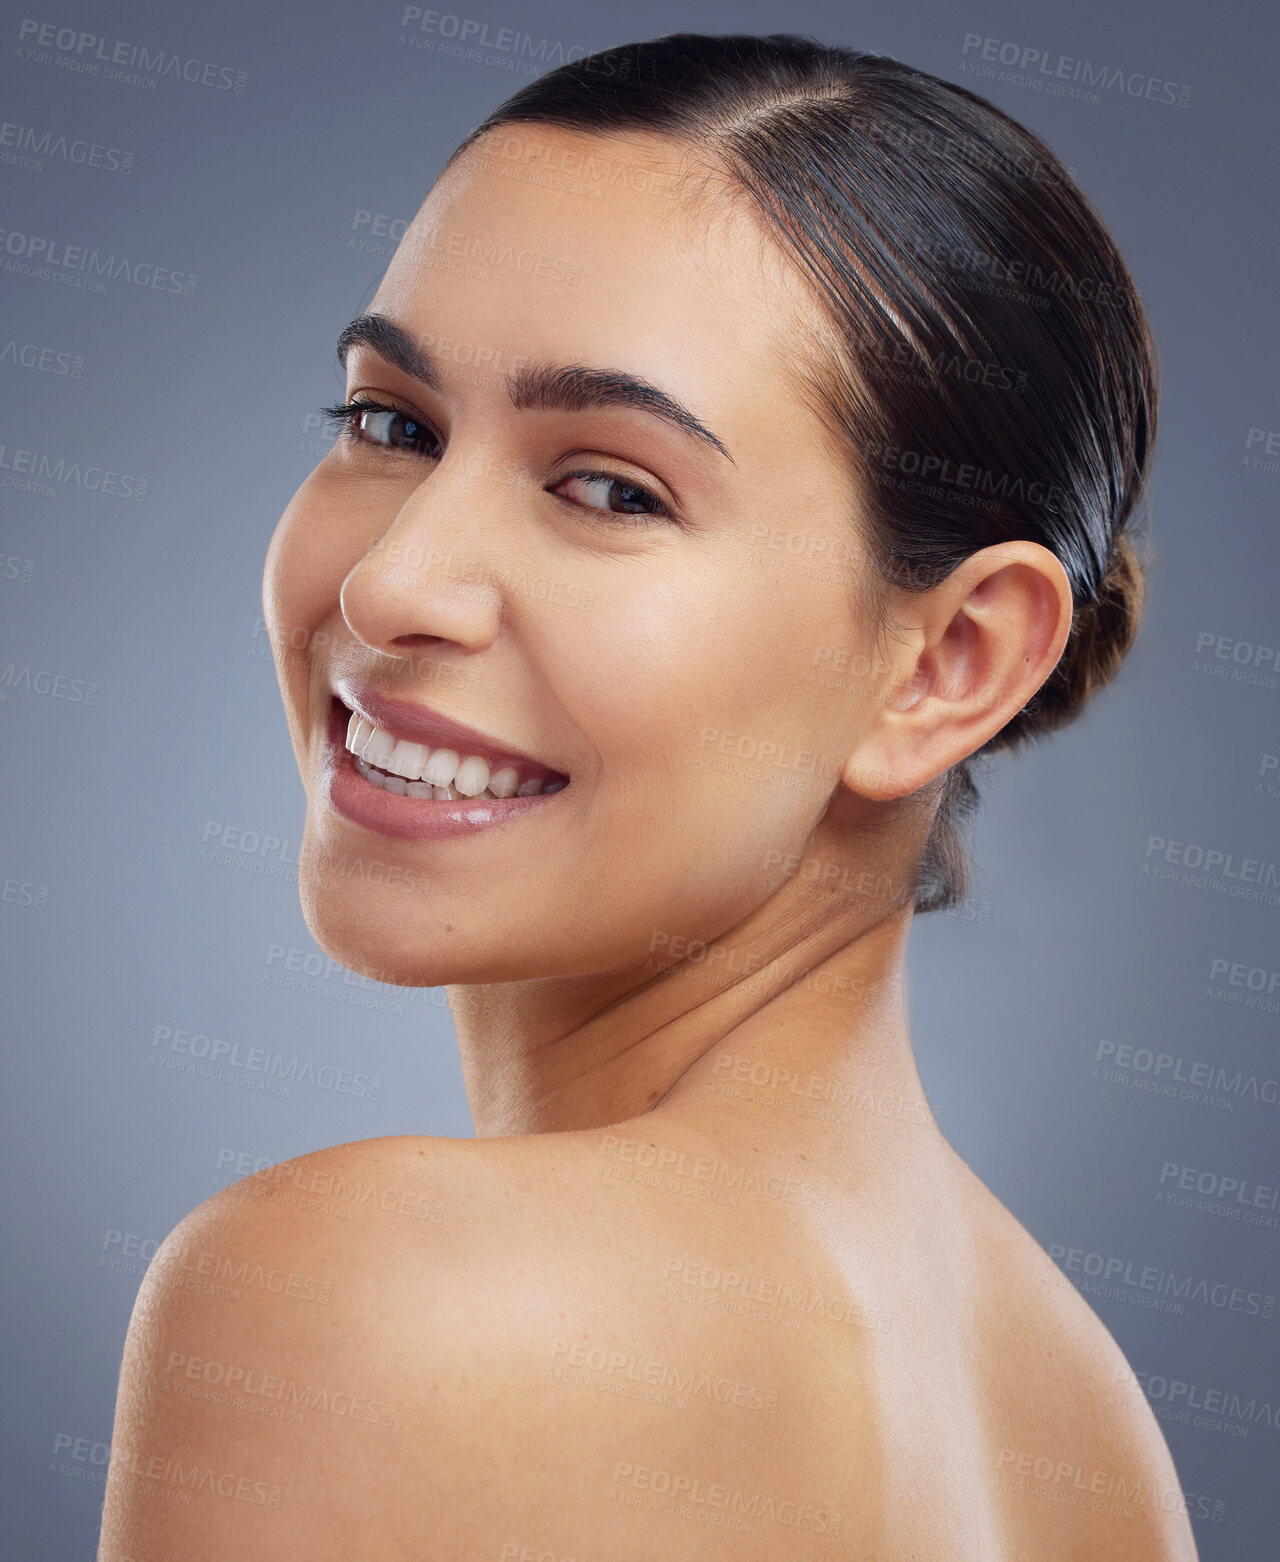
(408, 768)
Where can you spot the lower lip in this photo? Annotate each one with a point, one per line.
(410, 818)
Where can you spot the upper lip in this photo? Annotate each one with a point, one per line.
(421, 724)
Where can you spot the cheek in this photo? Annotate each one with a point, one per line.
(304, 569)
(659, 664)
(303, 574)
(316, 544)
(693, 692)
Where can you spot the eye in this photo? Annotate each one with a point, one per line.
(373, 423)
(608, 494)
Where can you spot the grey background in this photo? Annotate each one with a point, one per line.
(113, 923)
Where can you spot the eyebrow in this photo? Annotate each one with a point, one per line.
(570, 387)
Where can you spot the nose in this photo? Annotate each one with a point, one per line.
(424, 582)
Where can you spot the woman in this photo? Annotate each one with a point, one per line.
(745, 438)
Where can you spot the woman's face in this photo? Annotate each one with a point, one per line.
(675, 634)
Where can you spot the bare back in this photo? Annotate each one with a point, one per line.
(774, 1372)
(578, 1353)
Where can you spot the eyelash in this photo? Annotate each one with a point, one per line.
(346, 414)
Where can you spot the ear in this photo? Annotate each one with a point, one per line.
(966, 657)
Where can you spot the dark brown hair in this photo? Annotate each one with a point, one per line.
(987, 361)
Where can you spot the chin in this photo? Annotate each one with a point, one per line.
(382, 919)
(395, 924)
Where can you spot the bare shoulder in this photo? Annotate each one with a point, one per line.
(1074, 1432)
(379, 1318)
(253, 1370)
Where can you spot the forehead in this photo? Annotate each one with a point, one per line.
(619, 251)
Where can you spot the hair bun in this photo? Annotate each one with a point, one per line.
(1106, 629)
(1102, 634)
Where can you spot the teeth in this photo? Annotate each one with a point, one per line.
(359, 731)
(472, 776)
(503, 783)
(410, 769)
(407, 759)
(441, 768)
(379, 749)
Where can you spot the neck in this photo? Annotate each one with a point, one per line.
(808, 1000)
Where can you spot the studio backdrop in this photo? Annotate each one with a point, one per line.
(196, 199)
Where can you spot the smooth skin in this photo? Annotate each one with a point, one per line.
(709, 1282)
